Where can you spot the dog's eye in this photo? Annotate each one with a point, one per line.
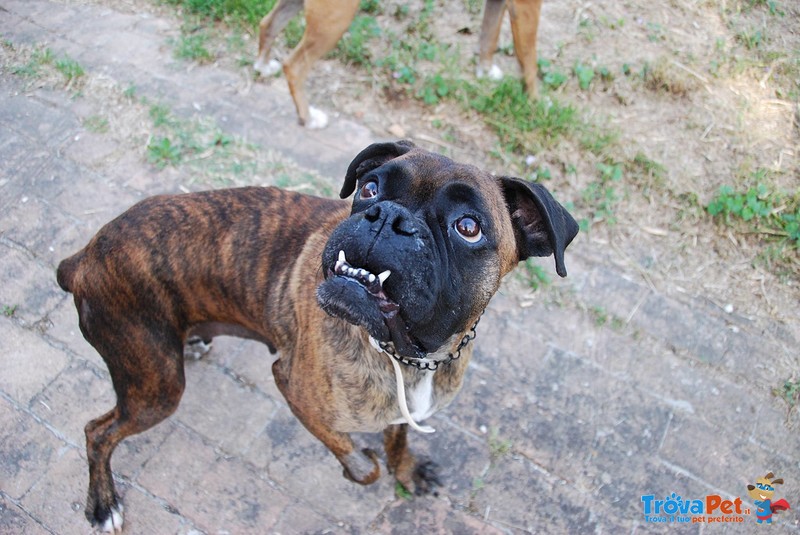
(368, 190)
(469, 229)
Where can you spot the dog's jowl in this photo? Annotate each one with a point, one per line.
(371, 305)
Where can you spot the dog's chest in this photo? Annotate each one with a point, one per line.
(421, 399)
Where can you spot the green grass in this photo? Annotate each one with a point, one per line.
(96, 124)
(535, 276)
(353, 46)
(790, 393)
(191, 45)
(239, 12)
(760, 211)
(43, 61)
(10, 310)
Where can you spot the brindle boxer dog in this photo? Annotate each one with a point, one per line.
(343, 292)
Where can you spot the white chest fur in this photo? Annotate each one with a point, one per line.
(420, 399)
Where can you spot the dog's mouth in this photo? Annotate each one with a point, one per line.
(393, 329)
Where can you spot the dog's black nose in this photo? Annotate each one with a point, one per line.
(397, 217)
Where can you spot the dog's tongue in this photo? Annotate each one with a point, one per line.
(403, 344)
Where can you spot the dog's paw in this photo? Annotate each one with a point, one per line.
(426, 478)
(271, 68)
(196, 348)
(361, 466)
(493, 73)
(112, 524)
(317, 119)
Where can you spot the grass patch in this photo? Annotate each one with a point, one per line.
(97, 124)
(239, 12)
(790, 393)
(43, 62)
(535, 275)
(761, 211)
(191, 46)
(10, 310)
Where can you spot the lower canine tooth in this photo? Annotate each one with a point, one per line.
(383, 276)
(341, 256)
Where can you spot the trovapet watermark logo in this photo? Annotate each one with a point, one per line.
(674, 509)
(713, 508)
(762, 493)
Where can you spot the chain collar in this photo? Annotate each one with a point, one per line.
(425, 364)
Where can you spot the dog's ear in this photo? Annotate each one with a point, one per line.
(371, 158)
(541, 226)
(750, 487)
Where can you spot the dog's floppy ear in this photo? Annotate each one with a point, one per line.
(541, 226)
(370, 158)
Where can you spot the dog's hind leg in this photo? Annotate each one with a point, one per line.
(324, 27)
(524, 16)
(146, 368)
(270, 26)
(490, 32)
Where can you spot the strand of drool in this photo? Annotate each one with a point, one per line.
(401, 399)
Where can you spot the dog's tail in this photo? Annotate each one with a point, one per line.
(65, 274)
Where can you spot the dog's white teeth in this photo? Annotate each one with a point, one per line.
(342, 259)
(371, 278)
(383, 276)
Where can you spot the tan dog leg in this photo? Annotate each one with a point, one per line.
(524, 26)
(359, 466)
(324, 27)
(270, 26)
(490, 33)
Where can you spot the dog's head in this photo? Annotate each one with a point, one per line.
(428, 241)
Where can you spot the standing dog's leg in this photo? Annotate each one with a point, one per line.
(304, 398)
(324, 27)
(417, 477)
(524, 27)
(270, 26)
(490, 33)
(146, 367)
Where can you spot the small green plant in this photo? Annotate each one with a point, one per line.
(585, 74)
(163, 152)
(129, 92)
(192, 46)
(751, 39)
(551, 78)
(352, 47)
(69, 68)
(32, 68)
(498, 447)
(9, 311)
(600, 315)
(96, 124)
(402, 492)
(537, 277)
(790, 393)
(758, 209)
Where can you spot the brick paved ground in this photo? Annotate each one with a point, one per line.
(565, 420)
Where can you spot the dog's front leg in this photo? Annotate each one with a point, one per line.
(418, 477)
(359, 466)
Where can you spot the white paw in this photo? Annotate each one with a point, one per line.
(113, 523)
(317, 119)
(196, 349)
(494, 73)
(267, 69)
